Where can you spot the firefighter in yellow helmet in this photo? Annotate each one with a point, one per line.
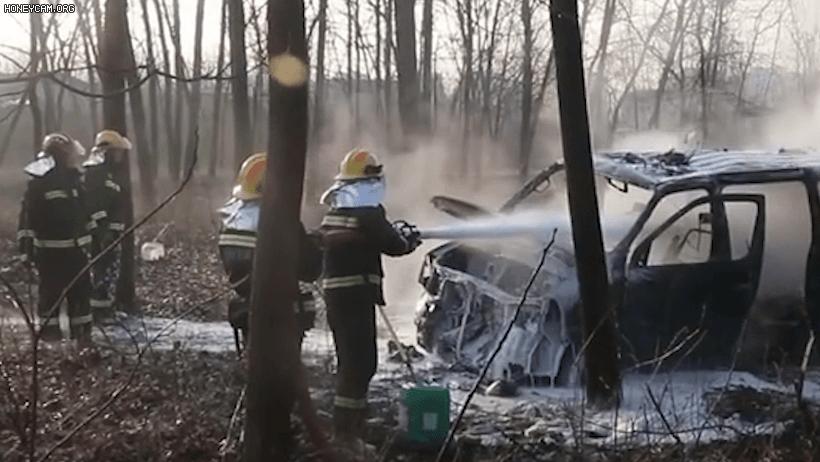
(54, 233)
(107, 207)
(237, 243)
(356, 233)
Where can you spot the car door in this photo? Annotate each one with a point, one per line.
(684, 299)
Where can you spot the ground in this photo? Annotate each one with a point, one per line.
(164, 384)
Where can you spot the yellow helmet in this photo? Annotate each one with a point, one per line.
(111, 139)
(251, 177)
(59, 143)
(359, 164)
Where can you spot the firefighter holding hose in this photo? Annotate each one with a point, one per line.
(356, 233)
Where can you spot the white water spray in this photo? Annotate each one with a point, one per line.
(539, 225)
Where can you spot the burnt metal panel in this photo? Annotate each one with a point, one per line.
(650, 169)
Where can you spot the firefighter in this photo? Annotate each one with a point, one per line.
(356, 233)
(54, 233)
(106, 205)
(237, 242)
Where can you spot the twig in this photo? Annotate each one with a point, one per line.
(232, 423)
(451, 433)
(133, 373)
(658, 409)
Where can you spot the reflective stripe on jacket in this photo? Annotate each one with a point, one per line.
(53, 213)
(354, 240)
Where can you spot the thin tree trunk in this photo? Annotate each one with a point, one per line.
(181, 89)
(668, 62)
(142, 149)
(427, 63)
(526, 92)
(357, 95)
(406, 65)
(388, 65)
(239, 83)
(216, 139)
(153, 91)
(650, 35)
(318, 99)
(377, 13)
(171, 134)
(196, 90)
(114, 65)
(34, 56)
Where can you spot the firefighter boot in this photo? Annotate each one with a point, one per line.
(82, 334)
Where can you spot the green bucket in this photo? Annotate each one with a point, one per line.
(424, 415)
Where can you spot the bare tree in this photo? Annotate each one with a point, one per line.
(275, 374)
(142, 150)
(113, 71)
(681, 21)
(525, 148)
(321, 44)
(171, 130)
(196, 90)
(239, 82)
(153, 89)
(216, 135)
(427, 62)
(34, 56)
(388, 64)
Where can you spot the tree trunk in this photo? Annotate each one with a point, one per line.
(525, 148)
(668, 62)
(601, 358)
(196, 90)
(113, 71)
(358, 94)
(34, 56)
(142, 149)
(92, 85)
(427, 63)
(171, 134)
(239, 83)
(181, 90)
(406, 65)
(388, 65)
(467, 33)
(318, 99)
(630, 84)
(153, 90)
(275, 374)
(216, 139)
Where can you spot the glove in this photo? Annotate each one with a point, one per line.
(409, 232)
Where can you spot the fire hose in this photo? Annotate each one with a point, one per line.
(476, 230)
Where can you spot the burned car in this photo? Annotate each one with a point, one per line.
(712, 255)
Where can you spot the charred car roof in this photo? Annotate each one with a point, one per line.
(653, 169)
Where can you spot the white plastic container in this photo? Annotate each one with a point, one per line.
(152, 251)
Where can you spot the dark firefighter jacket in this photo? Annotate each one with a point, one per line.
(354, 240)
(53, 214)
(105, 202)
(310, 255)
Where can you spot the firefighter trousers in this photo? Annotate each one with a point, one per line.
(352, 319)
(56, 268)
(104, 277)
